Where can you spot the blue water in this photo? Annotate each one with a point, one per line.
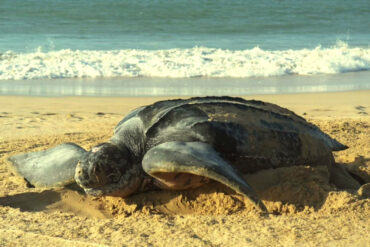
(116, 42)
(26, 25)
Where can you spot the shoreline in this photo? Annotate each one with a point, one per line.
(181, 87)
(307, 210)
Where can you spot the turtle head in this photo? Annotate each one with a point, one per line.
(108, 170)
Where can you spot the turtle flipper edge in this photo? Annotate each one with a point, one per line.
(198, 159)
(54, 167)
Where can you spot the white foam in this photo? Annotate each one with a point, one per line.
(183, 63)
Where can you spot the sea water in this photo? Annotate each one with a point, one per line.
(151, 46)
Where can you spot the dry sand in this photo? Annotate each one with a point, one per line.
(306, 210)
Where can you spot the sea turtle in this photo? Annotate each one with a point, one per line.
(184, 143)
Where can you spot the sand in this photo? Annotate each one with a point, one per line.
(306, 210)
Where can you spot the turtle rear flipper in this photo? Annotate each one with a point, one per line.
(182, 165)
(342, 178)
(54, 167)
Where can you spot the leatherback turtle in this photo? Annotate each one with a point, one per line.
(182, 144)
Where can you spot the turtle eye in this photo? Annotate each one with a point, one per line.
(114, 176)
(105, 173)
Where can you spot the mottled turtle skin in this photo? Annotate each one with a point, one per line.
(183, 143)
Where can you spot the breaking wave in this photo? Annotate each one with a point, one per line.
(183, 63)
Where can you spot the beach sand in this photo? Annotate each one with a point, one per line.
(306, 210)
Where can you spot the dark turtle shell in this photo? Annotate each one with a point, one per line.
(251, 135)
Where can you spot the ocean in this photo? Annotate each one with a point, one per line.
(183, 47)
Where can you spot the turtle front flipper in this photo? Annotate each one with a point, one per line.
(54, 167)
(183, 165)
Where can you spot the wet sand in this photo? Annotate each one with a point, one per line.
(186, 87)
(306, 209)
